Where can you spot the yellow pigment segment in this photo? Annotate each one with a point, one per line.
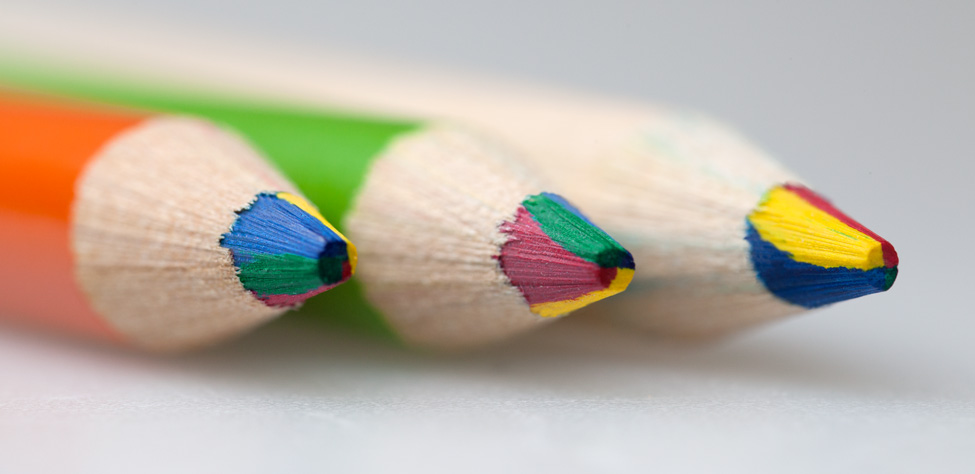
(306, 206)
(811, 235)
(557, 308)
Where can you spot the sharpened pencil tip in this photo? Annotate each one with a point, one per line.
(286, 252)
(811, 254)
(559, 259)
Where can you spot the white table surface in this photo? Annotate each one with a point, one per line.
(872, 102)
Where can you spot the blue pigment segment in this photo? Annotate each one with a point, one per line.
(569, 207)
(808, 285)
(273, 226)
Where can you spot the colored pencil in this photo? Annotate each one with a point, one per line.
(459, 245)
(163, 233)
(726, 238)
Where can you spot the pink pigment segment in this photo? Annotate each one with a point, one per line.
(541, 269)
(890, 255)
(288, 301)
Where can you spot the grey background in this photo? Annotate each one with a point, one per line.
(873, 102)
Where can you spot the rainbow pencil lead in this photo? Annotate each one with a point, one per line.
(559, 260)
(286, 252)
(810, 254)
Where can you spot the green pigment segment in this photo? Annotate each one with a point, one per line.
(565, 225)
(258, 275)
(326, 154)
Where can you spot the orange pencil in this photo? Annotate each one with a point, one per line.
(164, 233)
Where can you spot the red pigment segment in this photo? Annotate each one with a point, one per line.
(288, 301)
(541, 269)
(890, 255)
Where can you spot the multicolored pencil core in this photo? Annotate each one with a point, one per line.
(811, 254)
(286, 252)
(558, 259)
